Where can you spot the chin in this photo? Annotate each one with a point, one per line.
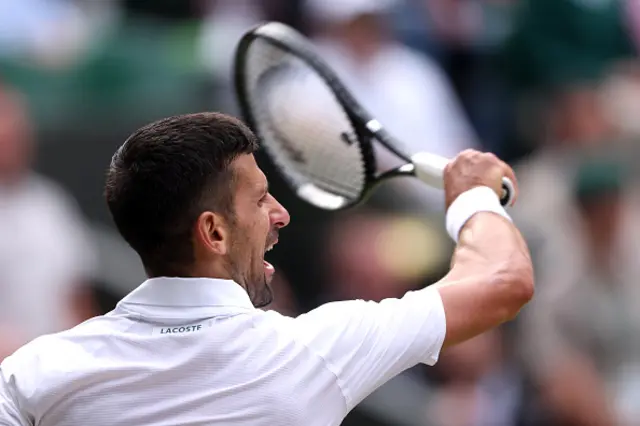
(263, 296)
(260, 291)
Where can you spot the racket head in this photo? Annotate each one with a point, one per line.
(310, 126)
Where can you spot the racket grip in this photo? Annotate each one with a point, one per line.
(429, 168)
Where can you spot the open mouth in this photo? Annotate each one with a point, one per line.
(268, 267)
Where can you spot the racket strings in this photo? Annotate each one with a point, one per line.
(326, 178)
(301, 123)
(323, 173)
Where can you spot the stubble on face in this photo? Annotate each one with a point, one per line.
(246, 264)
(248, 233)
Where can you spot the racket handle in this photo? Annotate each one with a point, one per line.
(429, 168)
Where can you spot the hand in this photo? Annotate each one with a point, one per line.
(471, 168)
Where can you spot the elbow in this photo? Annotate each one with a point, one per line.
(523, 283)
(517, 282)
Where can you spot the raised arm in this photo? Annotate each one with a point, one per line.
(491, 277)
(364, 344)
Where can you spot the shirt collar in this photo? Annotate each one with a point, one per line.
(189, 292)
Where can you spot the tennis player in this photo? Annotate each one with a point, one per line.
(189, 347)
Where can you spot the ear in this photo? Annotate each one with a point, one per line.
(211, 233)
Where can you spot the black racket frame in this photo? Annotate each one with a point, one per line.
(366, 127)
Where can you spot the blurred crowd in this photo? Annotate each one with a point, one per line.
(551, 86)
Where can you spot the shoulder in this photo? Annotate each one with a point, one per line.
(50, 349)
(49, 361)
(32, 370)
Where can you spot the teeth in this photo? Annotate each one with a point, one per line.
(269, 248)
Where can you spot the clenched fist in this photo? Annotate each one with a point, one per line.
(472, 168)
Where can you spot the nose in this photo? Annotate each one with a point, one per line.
(279, 215)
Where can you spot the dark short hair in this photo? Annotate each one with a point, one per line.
(165, 175)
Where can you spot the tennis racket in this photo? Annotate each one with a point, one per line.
(313, 129)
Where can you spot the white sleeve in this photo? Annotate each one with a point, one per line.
(9, 412)
(367, 343)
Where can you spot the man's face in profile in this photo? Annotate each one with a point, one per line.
(254, 228)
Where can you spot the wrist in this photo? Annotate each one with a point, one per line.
(467, 204)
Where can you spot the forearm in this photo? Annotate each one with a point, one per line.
(491, 277)
(490, 244)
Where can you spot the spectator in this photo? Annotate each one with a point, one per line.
(49, 32)
(407, 92)
(481, 385)
(44, 253)
(558, 46)
(375, 256)
(581, 333)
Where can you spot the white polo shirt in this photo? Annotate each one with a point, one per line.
(184, 352)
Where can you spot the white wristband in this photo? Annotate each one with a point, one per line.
(478, 199)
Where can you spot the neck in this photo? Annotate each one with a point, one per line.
(215, 270)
